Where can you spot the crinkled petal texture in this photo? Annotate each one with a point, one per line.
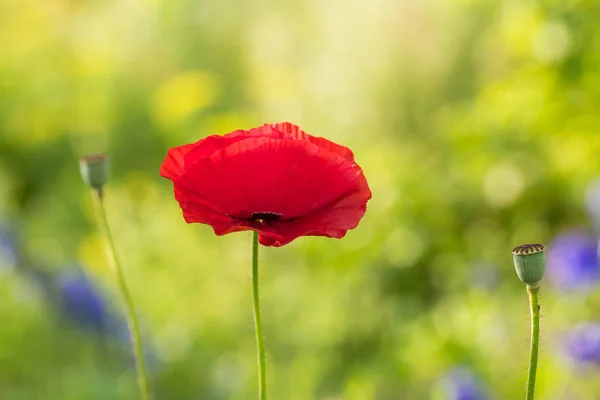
(276, 180)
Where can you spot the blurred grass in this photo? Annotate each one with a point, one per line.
(475, 122)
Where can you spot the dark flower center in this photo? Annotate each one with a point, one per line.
(265, 216)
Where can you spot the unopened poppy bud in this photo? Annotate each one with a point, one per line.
(94, 170)
(530, 262)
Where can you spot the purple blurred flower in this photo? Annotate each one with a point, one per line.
(572, 261)
(583, 344)
(460, 384)
(81, 301)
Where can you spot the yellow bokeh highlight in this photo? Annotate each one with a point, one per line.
(520, 23)
(571, 153)
(92, 255)
(182, 95)
(227, 122)
(140, 189)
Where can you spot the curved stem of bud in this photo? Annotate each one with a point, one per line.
(132, 321)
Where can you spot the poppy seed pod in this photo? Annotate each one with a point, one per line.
(94, 170)
(530, 262)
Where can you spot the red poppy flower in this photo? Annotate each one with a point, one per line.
(276, 180)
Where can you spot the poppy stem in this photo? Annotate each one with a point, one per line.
(132, 321)
(535, 339)
(260, 341)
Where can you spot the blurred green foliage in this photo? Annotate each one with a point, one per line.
(476, 123)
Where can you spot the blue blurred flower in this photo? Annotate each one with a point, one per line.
(583, 344)
(484, 275)
(460, 384)
(81, 301)
(123, 341)
(572, 261)
(8, 249)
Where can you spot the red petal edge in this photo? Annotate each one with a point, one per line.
(297, 133)
(333, 220)
(172, 166)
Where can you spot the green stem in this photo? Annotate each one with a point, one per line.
(260, 341)
(132, 321)
(535, 339)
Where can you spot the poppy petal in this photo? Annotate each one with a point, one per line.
(333, 220)
(207, 146)
(268, 130)
(269, 175)
(172, 167)
(194, 207)
(297, 133)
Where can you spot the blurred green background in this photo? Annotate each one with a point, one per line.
(475, 121)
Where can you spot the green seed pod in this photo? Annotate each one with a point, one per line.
(530, 263)
(94, 170)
